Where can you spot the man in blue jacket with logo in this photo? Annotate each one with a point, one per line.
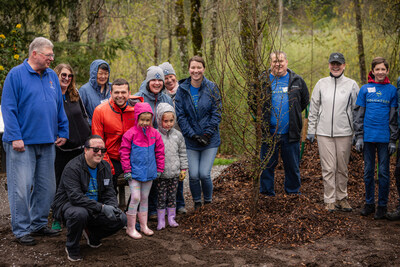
(34, 121)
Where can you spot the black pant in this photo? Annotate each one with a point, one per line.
(77, 219)
(118, 170)
(62, 158)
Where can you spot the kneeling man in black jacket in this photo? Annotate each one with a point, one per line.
(86, 201)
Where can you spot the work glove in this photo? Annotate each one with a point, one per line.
(354, 140)
(109, 211)
(311, 138)
(182, 175)
(392, 148)
(159, 174)
(206, 139)
(360, 145)
(128, 176)
(200, 140)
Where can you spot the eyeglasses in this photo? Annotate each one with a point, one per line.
(97, 149)
(64, 76)
(48, 55)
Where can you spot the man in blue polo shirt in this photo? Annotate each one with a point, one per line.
(376, 132)
(34, 121)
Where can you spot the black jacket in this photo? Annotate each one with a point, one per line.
(74, 186)
(299, 98)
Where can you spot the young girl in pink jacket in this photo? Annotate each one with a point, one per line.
(142, 159)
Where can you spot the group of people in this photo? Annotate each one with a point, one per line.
(340, 114)
(65, 148)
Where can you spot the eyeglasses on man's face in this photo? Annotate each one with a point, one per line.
(97, 149)
(48, 55)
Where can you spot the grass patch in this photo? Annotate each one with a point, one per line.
(223, 161)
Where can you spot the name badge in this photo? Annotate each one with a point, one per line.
(104, 100)
(284, 89)
(106, 181)
(371, 90)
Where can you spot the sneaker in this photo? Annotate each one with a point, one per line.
(91, 243)
(181, 210)
(343, 205)
(380, 213)
(46, 231)
(56, 226)
(26, 240)
(368, 209)
(73, 256)
(330, 207)
(393, 216)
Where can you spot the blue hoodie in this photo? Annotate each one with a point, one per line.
(32, 106)
(153, 99)
(90, 91)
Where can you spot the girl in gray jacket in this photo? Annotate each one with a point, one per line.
(176, 164)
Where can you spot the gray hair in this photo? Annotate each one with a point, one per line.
(277, 53)
(38, 43)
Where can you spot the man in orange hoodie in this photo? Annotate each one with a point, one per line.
(112, 119)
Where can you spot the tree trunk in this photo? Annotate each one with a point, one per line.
(74, 21)
(196, 27)
(214, 32)
(360, 42)
(54, 24)
(169, 24)
(181, 33)
(96, 21)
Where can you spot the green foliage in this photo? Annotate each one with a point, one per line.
(12, 51)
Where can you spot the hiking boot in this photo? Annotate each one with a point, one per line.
(330, 207)
(73, 256)
(26, 240)
(46, 231)
(380, 213)
(181, 210)
(393, 216)
(344, 205)
(56, 226)
(368, 209)
(91, 243)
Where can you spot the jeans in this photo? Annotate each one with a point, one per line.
(77, 219)
(180, 199)
(31, 186)
(397, 175)
(200, 165)
(290, 153)
(370, 150)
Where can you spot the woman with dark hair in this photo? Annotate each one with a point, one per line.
(79, 128)
(198, 109)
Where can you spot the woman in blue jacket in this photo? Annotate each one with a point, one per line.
(198, 108)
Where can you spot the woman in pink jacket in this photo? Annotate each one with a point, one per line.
(142, 159)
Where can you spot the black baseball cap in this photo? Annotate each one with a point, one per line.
(337, 57)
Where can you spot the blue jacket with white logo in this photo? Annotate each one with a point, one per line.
(32, 106)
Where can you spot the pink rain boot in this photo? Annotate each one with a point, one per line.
(160, 219)
(171, 217)
(130, 229)
(143, 223)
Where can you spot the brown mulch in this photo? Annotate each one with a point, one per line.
(290, 220)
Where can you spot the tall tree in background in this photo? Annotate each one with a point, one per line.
(74, 21)
(196, 26)
(214, 30)
(181, 33)
(360, 42)
(96, 21)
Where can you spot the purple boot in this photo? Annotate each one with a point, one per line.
(171, 217)
(160, 219)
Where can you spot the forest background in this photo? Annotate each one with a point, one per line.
(235, 37)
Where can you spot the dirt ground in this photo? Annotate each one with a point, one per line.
(206, 239)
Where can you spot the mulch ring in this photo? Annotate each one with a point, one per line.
(290, 220)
